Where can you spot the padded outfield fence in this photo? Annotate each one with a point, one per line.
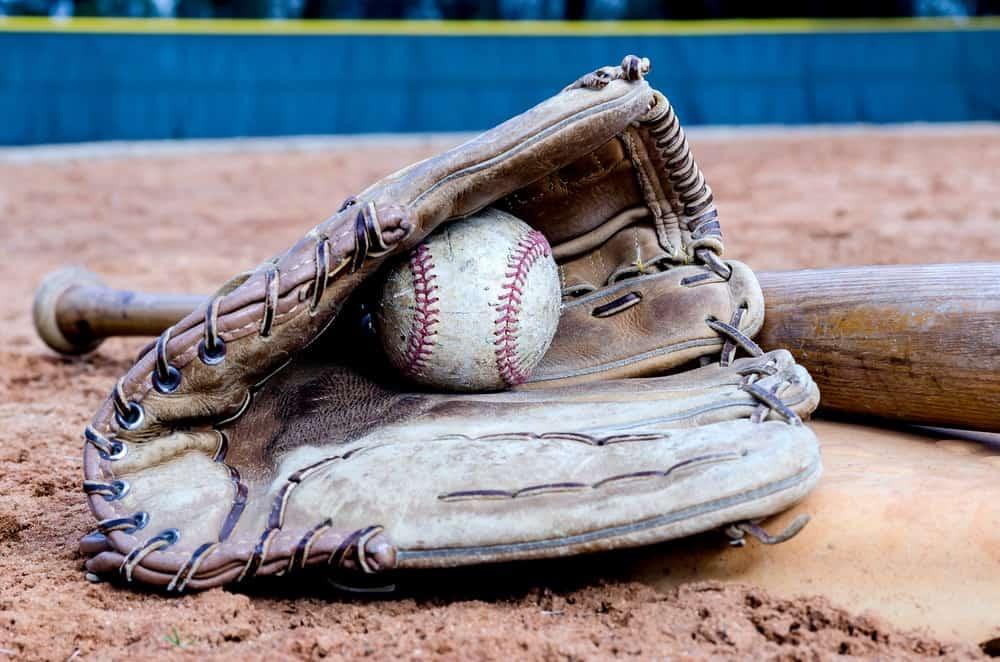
(119, 79)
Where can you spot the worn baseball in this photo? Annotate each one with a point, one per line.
(472, 308)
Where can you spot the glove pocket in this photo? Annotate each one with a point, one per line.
(649, 324)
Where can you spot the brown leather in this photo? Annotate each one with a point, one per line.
(328, 454)
(574, 200)
(604, 334)
(240, 444)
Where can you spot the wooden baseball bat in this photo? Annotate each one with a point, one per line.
(911, 343)
(915, 343)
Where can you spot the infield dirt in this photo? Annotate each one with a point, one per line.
(188, 222)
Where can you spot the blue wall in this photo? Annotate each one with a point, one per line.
(76, 85)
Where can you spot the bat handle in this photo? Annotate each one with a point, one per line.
(74, 311)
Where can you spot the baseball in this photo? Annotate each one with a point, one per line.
(472, 308)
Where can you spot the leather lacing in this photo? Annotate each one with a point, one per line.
(734, 338)
(353, 546)
(737, 532)
(139, 552)
(698, 211)
(714, 263)
(166, 378)
(577, 486)
(632, 68)
(129, 524)
(368, 233)
(694, 205)
(212, 349)
(272, 291)
(108, 449)
(128, 414)
(322, 276)
(190, 567)
(111, 491)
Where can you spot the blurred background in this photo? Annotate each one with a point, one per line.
(497, 9)
(94, 70)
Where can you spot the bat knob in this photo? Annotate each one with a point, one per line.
(65, 339)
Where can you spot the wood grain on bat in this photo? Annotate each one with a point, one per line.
(914, 343)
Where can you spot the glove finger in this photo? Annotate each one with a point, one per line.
(529, 495)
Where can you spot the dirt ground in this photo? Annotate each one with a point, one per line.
(188, 222)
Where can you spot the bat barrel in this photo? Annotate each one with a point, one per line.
(912, 343)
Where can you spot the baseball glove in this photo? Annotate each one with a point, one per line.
(261, 435)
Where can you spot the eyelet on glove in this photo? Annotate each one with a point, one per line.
(128, 414)
(128, 525)
(132, 418)
(211, 355)
(112, 491)
(212, 348)
(108, 449)
(166, 378)
(169, 382)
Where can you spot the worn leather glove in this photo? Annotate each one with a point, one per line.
(260, 435)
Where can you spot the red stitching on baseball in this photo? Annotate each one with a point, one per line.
(531, 248)
(420, 343)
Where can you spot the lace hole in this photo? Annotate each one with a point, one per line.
(118, 451)
(139, 521)
(132, 419)
(619, 305)
(120, 489)
(579, 290)
(168, 384)
(171, 536)
(211, 355)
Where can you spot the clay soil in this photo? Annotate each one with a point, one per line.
(186, 222)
